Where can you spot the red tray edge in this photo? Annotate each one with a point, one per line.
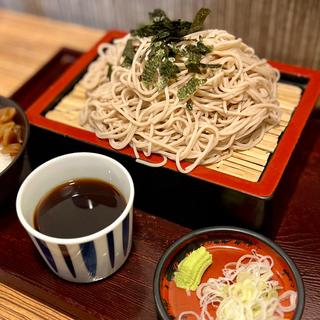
(267, 184)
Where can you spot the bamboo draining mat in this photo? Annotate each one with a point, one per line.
(248, 165)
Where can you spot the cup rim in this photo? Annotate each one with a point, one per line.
(90, 237)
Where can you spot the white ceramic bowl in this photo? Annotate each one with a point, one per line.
(10, 176)
(95, 256)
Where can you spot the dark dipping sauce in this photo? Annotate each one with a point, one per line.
(78, 208)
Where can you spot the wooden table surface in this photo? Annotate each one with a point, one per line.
(26, 43)
(298, 233)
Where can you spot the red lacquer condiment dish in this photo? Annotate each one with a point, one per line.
(226, 244)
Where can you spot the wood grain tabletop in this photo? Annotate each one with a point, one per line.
(27, 42)
(15, 305)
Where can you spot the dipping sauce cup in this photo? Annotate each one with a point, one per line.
(91, 257)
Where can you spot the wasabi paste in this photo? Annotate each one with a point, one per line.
(191, 269)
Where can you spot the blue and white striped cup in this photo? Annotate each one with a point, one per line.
(95, 256)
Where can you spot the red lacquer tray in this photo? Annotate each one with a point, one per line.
(273, 172)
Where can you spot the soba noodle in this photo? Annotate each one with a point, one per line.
(232, 108)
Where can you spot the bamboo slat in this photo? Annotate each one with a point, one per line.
(248, 164)
(250, 158)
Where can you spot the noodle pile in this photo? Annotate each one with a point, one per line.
(231, 109)
(245, 292)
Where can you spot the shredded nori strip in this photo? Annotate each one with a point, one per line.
(190, 88)
(128, 54)
(189, 105)
(109, 71)
(195, 53)
(210, 65)
(202, 48)
(149, 74)
(199, 19)
(162, 28)
(168, 71)
(159, 68)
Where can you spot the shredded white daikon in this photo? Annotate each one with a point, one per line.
(245, 292)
